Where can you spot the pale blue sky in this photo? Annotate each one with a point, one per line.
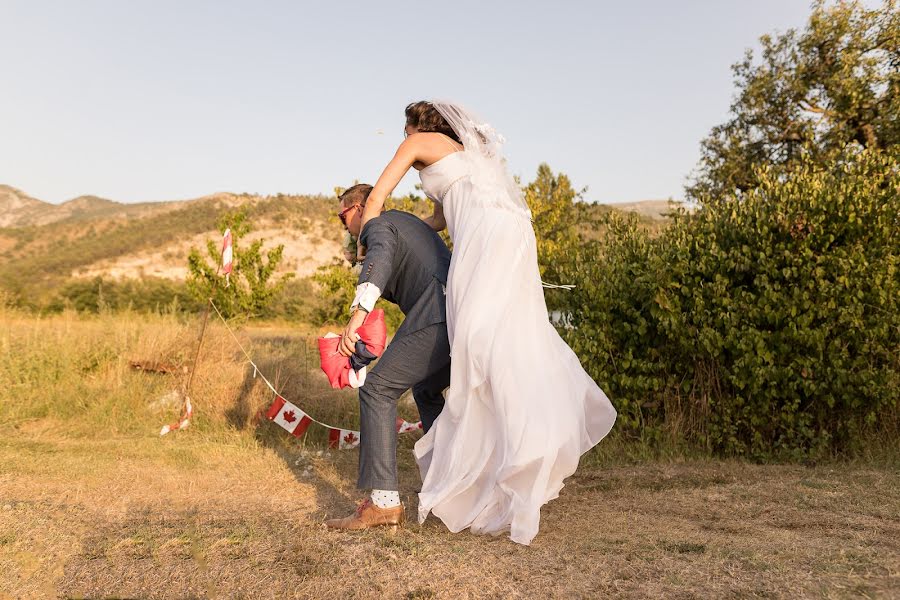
(164, 100)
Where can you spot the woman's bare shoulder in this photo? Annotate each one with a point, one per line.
(432, 139)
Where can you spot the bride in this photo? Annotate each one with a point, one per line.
(520, 410)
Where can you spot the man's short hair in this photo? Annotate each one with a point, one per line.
(358, 194)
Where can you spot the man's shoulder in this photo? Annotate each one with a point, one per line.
(406, 227)
(394, 218)
(397, 217)
(377, 226)
(405, 221)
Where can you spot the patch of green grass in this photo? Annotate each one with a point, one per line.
(683, 547)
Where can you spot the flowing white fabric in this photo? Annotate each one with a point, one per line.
(520, 410)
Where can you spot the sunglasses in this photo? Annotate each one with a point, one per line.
(343, 214)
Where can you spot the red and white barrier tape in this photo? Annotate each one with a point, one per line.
(185, 421)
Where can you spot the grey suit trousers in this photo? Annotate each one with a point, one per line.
(419, 360)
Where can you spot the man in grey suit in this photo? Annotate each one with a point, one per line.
(406, 263)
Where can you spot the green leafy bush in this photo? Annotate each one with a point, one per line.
(767, 326)
(143, 295)
(250, 291)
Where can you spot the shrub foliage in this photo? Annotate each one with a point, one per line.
(251, 290)
(765, 326)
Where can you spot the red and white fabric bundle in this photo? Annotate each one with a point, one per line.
(340, 369)
(405, 426)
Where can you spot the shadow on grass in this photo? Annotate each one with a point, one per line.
(332, 473)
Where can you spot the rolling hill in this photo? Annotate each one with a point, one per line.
(18, 209)
(44, 246)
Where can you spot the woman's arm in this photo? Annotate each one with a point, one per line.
(404, 158)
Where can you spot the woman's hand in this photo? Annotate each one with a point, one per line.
(436, 221)
(360, 253)
(350, 248)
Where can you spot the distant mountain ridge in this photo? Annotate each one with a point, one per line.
(18, 209)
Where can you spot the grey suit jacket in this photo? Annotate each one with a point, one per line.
(408, 262)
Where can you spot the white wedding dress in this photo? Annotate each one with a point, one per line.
(520, 410)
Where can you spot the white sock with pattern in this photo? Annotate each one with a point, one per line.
(386, 498)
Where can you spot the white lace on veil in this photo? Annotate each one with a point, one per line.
(483, 145)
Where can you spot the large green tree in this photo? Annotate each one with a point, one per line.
(811, 93)
(552, 201)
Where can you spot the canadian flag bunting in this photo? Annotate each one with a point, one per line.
(294, 420)
(342, 439)
(227, 255)
(404, 426)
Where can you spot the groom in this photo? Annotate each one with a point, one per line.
(406, 263)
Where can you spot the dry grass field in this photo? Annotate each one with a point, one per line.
(94, 504)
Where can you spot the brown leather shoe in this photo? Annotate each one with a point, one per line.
(368, 515)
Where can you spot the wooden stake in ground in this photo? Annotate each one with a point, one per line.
(225, 265)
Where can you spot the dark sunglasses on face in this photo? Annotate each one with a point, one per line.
(343, 214)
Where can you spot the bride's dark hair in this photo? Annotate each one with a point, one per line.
(425, 117)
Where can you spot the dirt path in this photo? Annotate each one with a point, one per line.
(188, 517)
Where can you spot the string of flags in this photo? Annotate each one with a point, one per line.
(295, 420)
(289, 416)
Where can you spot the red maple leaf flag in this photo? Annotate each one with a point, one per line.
(343, 439)
(285, 414)
(404, 426)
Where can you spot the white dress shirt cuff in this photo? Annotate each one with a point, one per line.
(366, 296)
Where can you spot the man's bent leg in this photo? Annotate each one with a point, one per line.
(430, 398)
(428, 393)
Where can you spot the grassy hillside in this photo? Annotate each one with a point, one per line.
(49, 253)
(38, 260)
